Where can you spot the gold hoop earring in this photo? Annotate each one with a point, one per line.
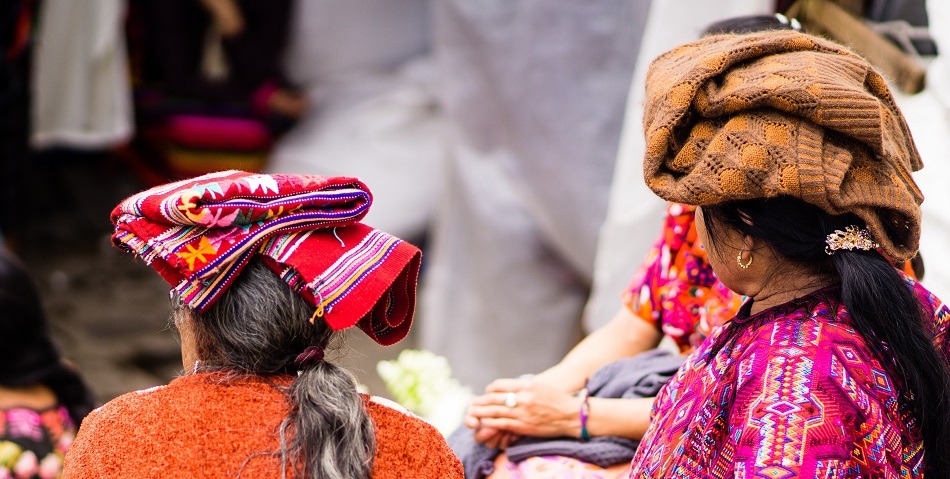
(739, 260)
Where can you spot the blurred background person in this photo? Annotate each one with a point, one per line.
(633, 210)
(533, 93)
(674, 293)
(212, 91)
(222, 51)
(80, 77)
(367, 67)
(43, 400)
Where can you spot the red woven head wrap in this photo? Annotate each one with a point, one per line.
(198, 234)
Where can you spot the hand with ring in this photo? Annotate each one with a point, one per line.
(511, 408)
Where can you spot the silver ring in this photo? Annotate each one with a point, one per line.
(511, 400)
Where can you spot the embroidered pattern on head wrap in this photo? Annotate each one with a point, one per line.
(198, 234)
(850, 239)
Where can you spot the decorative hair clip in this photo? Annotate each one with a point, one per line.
(851, 238)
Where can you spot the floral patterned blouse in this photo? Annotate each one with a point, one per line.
(796, 392)
(675, 288)
(33, 443)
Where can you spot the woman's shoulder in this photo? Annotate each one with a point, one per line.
(394, 421)
(827, 310)
(407, 446)
(119, 408)
(820, 330)
(203, 394)
(816, 343)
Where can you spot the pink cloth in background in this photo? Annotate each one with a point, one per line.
(217, 132)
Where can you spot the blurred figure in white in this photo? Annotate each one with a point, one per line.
(81, 87)
(534, 95)
(635, 214)
(367, 68)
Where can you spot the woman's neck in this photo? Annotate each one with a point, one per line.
(787, 286)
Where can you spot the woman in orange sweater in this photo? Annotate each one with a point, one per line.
(265, 269)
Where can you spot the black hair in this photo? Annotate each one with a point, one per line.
(883, 307)
(27, 352)
(258, 327)
(747, 24)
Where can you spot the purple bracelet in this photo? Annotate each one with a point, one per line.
(585, 413)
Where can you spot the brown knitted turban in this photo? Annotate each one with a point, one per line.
(734, 117)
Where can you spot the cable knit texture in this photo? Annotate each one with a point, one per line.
(203, 426)
(734, 117)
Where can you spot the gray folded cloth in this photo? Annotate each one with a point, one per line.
(637, 377)
(478, 460)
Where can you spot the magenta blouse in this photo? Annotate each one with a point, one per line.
(796, 392)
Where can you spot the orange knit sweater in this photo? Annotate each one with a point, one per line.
(197, 426)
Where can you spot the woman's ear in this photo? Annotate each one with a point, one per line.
(749, 243)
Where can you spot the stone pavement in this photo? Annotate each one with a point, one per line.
(108, 312)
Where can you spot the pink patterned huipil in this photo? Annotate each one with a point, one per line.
(792, 391)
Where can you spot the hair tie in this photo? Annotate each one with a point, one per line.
(850, 239)
(309, 357)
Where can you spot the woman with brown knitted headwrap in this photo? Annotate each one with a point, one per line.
(836, 364)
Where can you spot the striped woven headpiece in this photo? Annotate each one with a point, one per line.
(198, 234)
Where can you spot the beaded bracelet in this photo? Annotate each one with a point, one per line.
(585, 413)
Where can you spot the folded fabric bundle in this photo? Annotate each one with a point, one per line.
(637, 377)
(198, 234)
(736, 117)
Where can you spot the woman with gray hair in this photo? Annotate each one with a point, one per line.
(265, 270)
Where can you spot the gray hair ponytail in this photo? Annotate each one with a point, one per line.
(259, 326)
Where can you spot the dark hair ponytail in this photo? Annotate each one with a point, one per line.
(259, 326)
(884, 309)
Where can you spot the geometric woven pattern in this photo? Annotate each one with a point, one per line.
(200, 233)
(796, 392)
